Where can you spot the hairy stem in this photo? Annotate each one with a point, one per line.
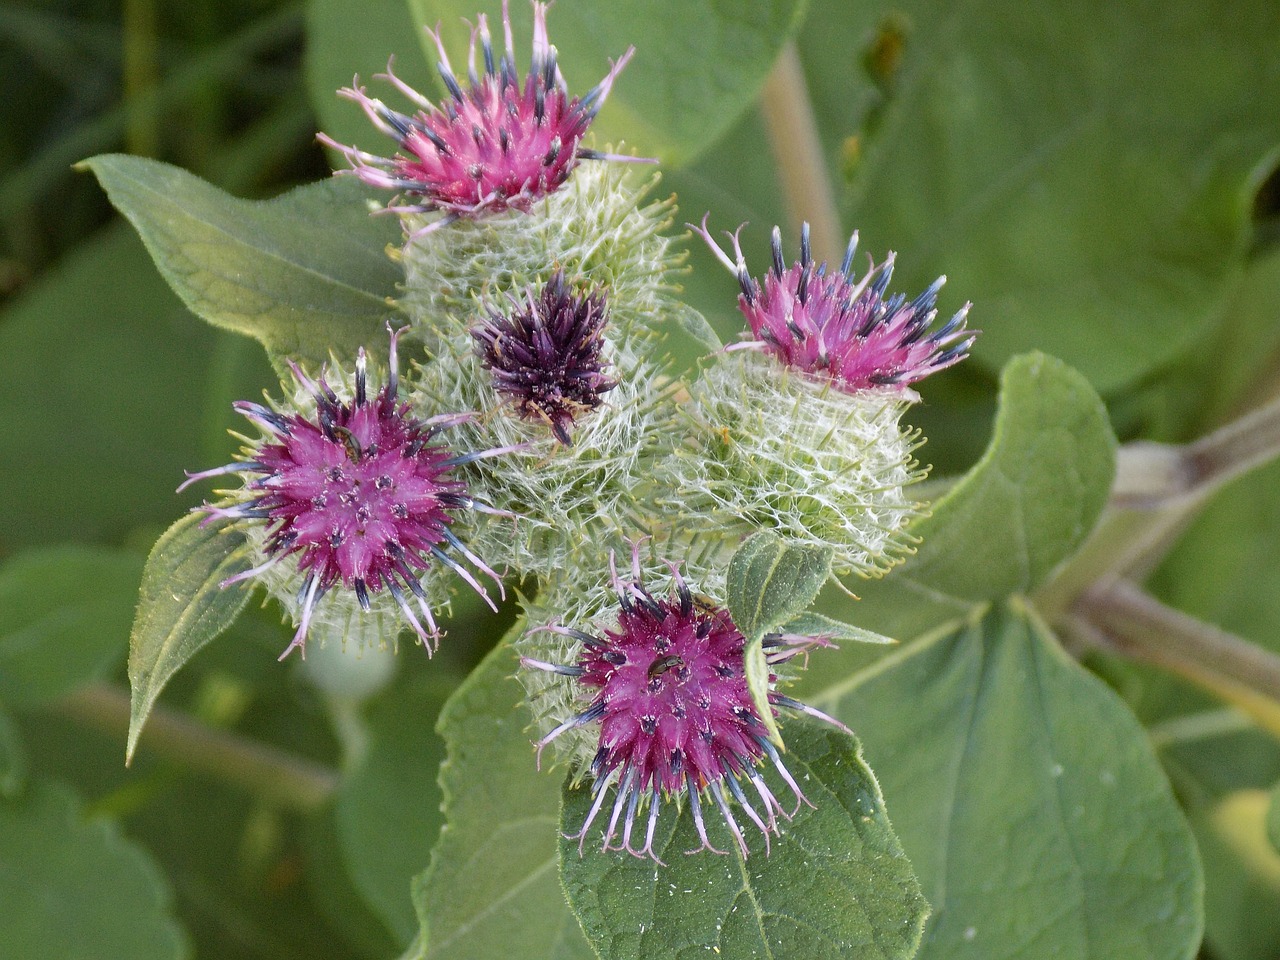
(1159, 489)
(1150, 475)
(277, 776)
(1121, 617)
(798, 157)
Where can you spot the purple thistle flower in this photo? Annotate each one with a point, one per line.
(669, 691)
(834, 327)
(361, 493)
(494, 146)
(545, 356)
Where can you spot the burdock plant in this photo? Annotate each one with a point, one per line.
(664, 759)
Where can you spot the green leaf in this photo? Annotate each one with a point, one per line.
(76, 890)
(835, 884)
(769, 582)
(1026, 506)
(13, 760)
(491, 887)
(302, 274)
(182, 607)
(64, 616)
(133, 389)
(982, 151)
(698, 65)
(820, 625)
(388, 807)
(1027, 797)
(1273, 819)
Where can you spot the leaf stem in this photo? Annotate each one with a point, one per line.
(798, 156)
(1123, 618)
(270, 773)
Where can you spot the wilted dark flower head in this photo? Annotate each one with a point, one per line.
(361, 494)
(834, 327)
(545, 355)
(492, 146)
(668, 688)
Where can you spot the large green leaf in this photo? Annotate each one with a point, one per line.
(835, 884)
(388, 807)
(491, 887)
(182, 606)
(1002, 529)
(76, 890)
(1027, 797)
(1085, 178)
(132, 389)
(698, 64)
(64, 617)
(303, 273)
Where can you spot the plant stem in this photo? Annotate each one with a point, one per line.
(277, 776)
(798, 157)
(141, 74)
(1150, 475)
(1159, 489)
(1121, 617)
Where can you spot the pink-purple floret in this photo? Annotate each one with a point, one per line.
(833, 326)
(676, 717)
(496, 145)
(360, 493)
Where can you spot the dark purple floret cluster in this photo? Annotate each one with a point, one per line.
(545, 355)
(833, 326)
(668, 688)
(493, 146)
(361, 493)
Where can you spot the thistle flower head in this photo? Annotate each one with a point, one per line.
(836, 327)
(496, 145)
(356, 497)
(545, 355)
(765, 447)
(667, 688)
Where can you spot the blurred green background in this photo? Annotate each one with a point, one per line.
(1100, 179)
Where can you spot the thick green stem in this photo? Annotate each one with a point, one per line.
(798, 157)
(262, 770)
(1159, 489)
(1152, 475)
(1123, 618)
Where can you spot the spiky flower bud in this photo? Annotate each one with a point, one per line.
(666, 696)
(351, 500)
(545, 354)
(766, 447)
(831, 326)
(495, 146)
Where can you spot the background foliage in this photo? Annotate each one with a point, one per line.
(1098, 178)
